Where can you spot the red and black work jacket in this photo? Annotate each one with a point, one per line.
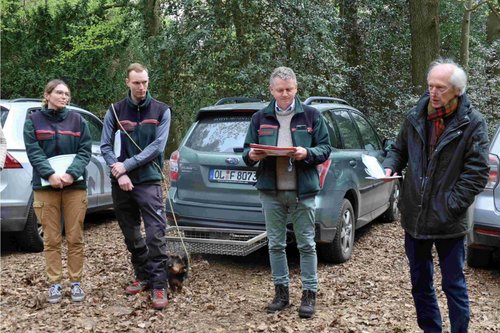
(49, 133)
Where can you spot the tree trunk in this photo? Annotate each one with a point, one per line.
(151, 13)
(353, 54)
(424, 27)
(493, 23)
(465, 37)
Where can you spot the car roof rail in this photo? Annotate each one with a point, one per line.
(19, 100)
(236, 99)
(324, 99)
(28, 99)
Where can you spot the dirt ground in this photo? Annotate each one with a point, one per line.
(370, 293)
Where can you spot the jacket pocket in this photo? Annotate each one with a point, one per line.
(38, 208)
(302, 137)
(454, 209)
(439, 208)
(268, 134)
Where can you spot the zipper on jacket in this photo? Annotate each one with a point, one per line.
(56, 127)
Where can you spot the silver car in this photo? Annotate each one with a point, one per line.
(484, 242)
(16, 195)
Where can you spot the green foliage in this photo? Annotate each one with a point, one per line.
(86, 47)
(209, 49)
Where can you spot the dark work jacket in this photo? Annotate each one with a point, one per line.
(438, 191)
(49, 133)
(308, 131)
(141, 122)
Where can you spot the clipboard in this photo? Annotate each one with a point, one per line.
(60, 164)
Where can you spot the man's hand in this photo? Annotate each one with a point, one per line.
(388, 173)
(125, 183)
(300, 153)
(118, 169)
(257, 155)
(55, 181)
(67, 179)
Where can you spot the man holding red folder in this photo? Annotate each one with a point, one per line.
(288, 183)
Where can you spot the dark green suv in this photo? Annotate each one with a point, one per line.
(210, 185)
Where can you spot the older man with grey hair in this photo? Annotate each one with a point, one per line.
(288, 184)
(443, 145)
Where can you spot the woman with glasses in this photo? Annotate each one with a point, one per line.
(59, 146)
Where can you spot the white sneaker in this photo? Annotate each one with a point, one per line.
(77, 294)
(55, 294)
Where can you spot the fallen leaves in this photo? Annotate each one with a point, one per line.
(370, 293)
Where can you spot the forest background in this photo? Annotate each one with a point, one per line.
(372, 53)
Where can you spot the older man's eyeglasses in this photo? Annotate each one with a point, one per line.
(438, 89)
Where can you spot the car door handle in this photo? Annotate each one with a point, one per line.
(353, 163)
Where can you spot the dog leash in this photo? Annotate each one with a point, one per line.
(166, 185)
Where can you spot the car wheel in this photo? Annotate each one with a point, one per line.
(392, 213)
(31, 238)
(340, 250)
(478, 257)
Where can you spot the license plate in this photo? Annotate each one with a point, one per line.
(233, 176)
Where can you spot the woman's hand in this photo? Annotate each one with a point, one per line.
(55, 181)
(67, 179)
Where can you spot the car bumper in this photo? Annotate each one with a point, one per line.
(195, 214)
(486, 232)
(13, 218)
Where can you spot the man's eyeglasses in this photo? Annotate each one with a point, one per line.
(438, 90)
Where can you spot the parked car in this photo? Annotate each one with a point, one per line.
(16, 194)
(484, 242)
(210, 185)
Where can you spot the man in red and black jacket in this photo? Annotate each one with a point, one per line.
(288, 184)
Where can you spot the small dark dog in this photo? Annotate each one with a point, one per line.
(177, 270)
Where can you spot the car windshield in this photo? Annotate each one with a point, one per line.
(219, 134)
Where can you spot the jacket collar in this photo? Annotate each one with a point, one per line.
(270, 108)
(52, 114)
(142, 104)
(419, 113)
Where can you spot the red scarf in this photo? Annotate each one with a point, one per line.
(436, 116)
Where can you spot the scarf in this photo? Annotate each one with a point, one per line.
(436, 116)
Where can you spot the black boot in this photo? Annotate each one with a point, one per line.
(307, 304)
(281, 299)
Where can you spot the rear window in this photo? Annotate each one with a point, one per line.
(3, 114)
(219, 134)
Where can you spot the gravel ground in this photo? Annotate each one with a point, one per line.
(370, 293)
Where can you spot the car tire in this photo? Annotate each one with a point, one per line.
(340, 249)
(30, 239)
(478, 258)
(392, 213)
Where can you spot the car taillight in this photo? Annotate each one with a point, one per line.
(494, 171)
(11, 163)
(174, 166)
(322, 171)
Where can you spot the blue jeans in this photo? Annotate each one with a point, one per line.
(451, 253)
(276, 210)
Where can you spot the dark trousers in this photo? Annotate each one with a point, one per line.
(451, 253)
(148, 255)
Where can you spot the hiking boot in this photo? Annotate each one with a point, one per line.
(77, 294)
(136, 287)
(281, 299)
(306, 309)
(159, 298)
(55, 294)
